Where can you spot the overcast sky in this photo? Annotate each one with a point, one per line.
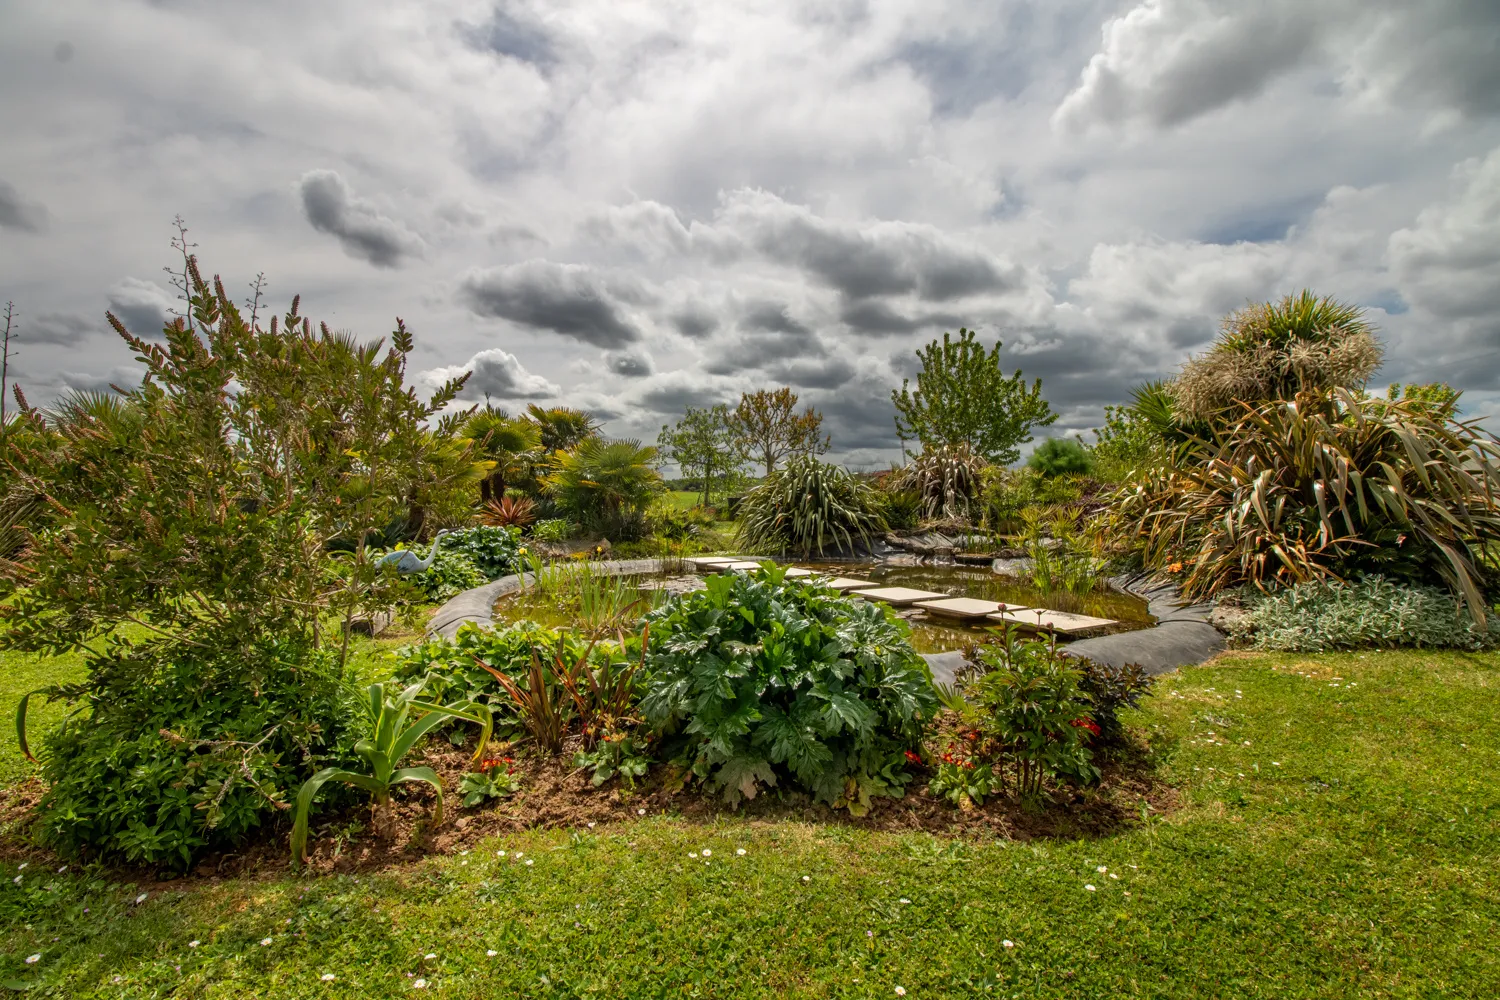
(636, 205)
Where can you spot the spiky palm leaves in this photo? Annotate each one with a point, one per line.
(947, 480)
(605, 485)
(809, 506)
(1273, 350)
(1323, 486)
(511, 443)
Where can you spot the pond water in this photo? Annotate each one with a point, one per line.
(929, 635)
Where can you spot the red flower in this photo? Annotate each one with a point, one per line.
(1088, 724)
(915, 758)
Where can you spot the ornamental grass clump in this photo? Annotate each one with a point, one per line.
(809, 507)
(758, 682)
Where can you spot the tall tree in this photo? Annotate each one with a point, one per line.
(770, 428)
(963, 397)
(705, 445)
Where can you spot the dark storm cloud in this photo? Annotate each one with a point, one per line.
(630, 364)
(772, 317)
(676, 396)
(62, 329)
(143, 306)
(365, 234)
(695, 321)
(569, 299)
(874, 317)
(512, 33)
(828, 373)
(886, 258)
(20, 213)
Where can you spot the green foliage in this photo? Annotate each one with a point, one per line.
(450, 574)
(554, 529)
(195, 760)
(606, 486)
(1131, 439)
(1110, 689)
(707, 445)
(667, 520)
(390, 735)
(1369, 613)
(1274, 350)
(188, 551)
(810, 507)
(901, 508)
(947, 479)
(755, 680)
(966, 782)
(511, 447)
(1009, 493)
(1065, 555)
(1439, 399)
(562, 428)
(964, 398)
(497, 781)
(451, 671)
(494, 550)
(1326, 486)
(1031, 702)
(618, 754)
(1061, 457)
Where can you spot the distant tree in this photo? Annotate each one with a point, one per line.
(562, 428)
(964, 398)
(1438, 398)
(5, 356)
(770, 429)
(705, 445)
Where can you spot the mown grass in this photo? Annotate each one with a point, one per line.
(1338, 836)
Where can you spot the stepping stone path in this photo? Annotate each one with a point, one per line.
(964, 609)
(897, 597)
(1041, 620)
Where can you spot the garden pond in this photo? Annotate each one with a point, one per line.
(600, 603)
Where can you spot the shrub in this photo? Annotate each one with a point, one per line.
(754, 681)
(1032, 703)
(667, 520)
(554, 529)
(809, 506)
(494, 550)
(902, 509)
(188, 556)
(1326, 486)
(509, 512)
(1008, 493)
(450, 574)
(1371, 613)
(1060, 457)
(946, 479)
(453, 673)
(1109, 690)
(606, 486)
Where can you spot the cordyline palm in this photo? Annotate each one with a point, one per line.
(809, 506)
(1305, 490)
(1274, 350)
(512, 443)
(390, 740)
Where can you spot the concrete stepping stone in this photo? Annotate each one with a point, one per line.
(743, 566)
(842, 583)
(965, 608)
(898, 597)
(709, 562)
(1050, 621)
(797, 572)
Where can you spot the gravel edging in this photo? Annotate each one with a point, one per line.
(477, 606)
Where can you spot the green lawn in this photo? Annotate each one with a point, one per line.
(1338, 836)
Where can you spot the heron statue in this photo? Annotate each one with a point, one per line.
(406, 561)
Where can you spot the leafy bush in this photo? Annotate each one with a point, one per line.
(1008, 493)
(452, 673)
(450, 574)
(188, 554)
(509, 512)
(496, 781)
(946, 478)
(606, 486)
(1325, 486)
(1371, 613)
(1060, 457)
(902, 509)
(755, 680)
(809, 506)
(494, 550)
(198, 758)
(1110, 689)
(554, 529)
(665, 519)
(1032, 703)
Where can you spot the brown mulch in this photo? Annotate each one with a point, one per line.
(554, 795)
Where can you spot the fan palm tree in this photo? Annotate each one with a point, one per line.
(562, 428)
(511, 443)
(605, 485)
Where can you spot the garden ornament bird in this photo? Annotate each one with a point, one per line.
(406, 561)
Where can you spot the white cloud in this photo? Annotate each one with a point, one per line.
(493, 373)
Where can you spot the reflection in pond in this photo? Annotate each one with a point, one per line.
(628, 597)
